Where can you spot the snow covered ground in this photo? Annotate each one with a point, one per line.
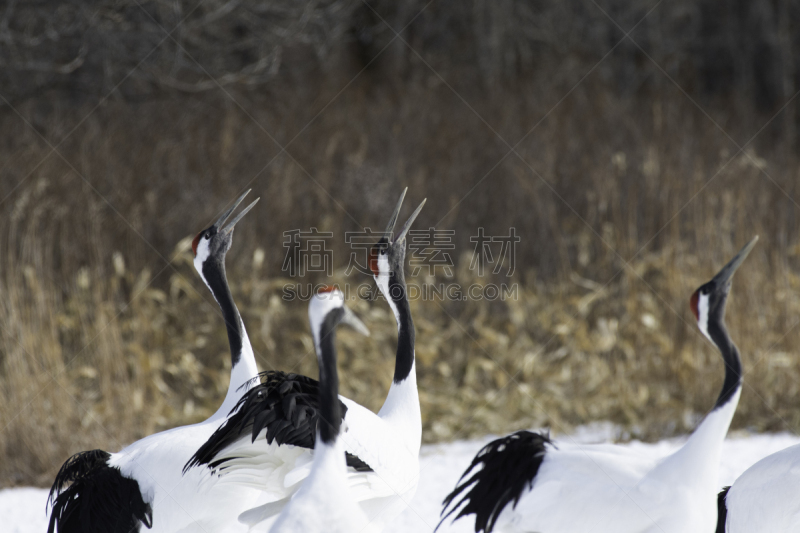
(23, 510)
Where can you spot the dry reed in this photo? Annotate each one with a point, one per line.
(626, 196)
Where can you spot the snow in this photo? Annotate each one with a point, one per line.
(440, 467)
(23, 510)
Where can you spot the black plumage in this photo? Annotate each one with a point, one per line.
(76, 467)
(507, 467)
(286, 405)
(722, 509)
(99, 498)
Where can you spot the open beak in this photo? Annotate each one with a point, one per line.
(354, 322)
(229, 227)
(407, 225)
(393, 221)
(727, 271)
(221, 220)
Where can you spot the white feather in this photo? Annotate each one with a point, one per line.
(702, 314)
(607, 489)
(766, 498)
(279, 470)
(203, 251)
(324, 502)
(181, 502)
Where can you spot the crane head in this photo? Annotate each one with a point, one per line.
(215, 241)
(330, 300)
(387, 257)
(708, 301)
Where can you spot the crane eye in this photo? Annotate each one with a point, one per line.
(208, 235)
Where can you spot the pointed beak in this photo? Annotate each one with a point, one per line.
(407, 225)
(727, 271)
(354, 322)
(229, 227)
(221, 220)
(393, 221)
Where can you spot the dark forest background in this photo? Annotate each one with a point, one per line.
(635, 146)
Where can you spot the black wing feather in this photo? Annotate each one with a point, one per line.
(99, 498)
(507, 467)
(76, 467)
(722, 509)
(286, 405)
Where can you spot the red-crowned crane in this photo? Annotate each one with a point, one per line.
(324, 503)
(524, 482)
(142, 484)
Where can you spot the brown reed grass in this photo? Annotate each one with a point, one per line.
(560, 355)
(626, 193)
